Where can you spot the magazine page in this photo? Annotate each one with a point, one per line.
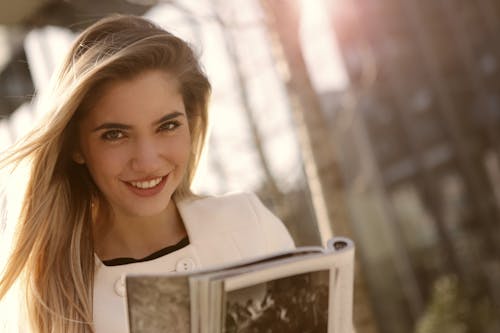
(310, 294)
(158, 304)
(293, 304)
(340, 250)
(207, 313)
(296, 252)
(304, 290)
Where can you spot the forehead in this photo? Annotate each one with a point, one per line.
(148, 95)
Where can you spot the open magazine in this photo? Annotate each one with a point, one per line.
(304, 290)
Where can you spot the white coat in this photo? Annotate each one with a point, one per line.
(220, 230)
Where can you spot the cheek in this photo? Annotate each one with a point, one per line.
(105, 162)
(176, 148)
(181, 149)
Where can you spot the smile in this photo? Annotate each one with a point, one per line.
(147, 188)
(147, 184)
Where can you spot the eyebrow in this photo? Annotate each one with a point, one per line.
(166, 117)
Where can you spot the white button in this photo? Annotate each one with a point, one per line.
(185, 265)
(120, 287)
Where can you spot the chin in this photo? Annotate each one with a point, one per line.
(145, 210)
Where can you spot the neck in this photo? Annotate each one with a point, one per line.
(120, 235)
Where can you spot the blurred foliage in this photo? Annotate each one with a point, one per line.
(455, 309)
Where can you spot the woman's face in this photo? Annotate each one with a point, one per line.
(136, 143)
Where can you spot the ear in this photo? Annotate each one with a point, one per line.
(78, 157)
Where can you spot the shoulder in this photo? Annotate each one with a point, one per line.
(236, 213)
(225, 212)
(212, 202)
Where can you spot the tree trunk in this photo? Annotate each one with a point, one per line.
(322, 171)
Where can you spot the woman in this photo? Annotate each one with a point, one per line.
(109, 190)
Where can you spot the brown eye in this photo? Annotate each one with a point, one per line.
(112, 135)
(169, 125)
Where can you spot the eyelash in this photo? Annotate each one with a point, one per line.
(167, 126)
(106, 135)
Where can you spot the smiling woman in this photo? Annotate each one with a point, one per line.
(109, 189)
(134, 135)
(135, 143)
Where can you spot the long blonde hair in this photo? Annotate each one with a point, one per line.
(53, 250)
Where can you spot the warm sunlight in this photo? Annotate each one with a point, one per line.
(320, 47)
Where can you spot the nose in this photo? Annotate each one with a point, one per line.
(146, 157)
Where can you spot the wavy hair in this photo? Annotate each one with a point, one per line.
(53, 253)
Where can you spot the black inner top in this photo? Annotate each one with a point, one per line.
(160, 253)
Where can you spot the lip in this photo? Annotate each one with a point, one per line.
(148, 192)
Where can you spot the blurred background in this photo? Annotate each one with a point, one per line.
(375, 120)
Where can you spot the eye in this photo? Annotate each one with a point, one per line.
(169, 125)
(112, 135)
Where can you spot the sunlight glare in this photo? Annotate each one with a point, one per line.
(320, 47)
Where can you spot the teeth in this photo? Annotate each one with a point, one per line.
(147, 184)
